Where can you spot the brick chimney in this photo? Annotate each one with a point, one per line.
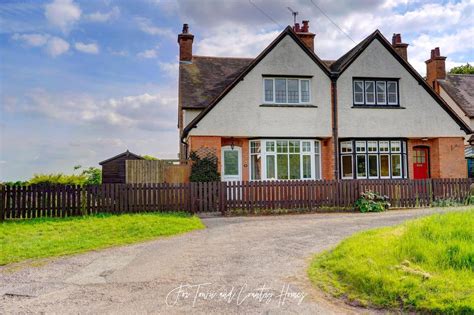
(435, 68)
(303, 33)
(400, 47)
(185, 41)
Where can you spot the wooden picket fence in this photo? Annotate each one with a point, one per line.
(243, 197)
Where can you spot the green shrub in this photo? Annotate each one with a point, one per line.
(204, 169)
(89, 176)
(55, 179)
(370, 201)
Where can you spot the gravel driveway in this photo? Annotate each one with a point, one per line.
(236, 265)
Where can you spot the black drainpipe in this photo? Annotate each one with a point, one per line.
(335, 128)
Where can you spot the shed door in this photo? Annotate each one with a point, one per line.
(421, 165)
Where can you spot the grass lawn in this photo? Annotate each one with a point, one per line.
(424, 265)
(38, 238)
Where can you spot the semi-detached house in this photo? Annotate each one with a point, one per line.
(287, 114)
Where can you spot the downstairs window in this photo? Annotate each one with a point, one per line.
(373, 159)
(285, 159)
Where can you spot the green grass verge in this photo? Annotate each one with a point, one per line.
(38, 238)
(424, 265)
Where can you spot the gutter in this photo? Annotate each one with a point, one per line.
(335, 134)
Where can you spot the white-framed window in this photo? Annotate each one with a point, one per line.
(286, 91)
(346, 147)
(370, 92)
(373, 159)
(375, 92)
(373, 166)
(392, 92)
(395, 146)
(358, 92)
(255, 160)
(396, 163)
(284, 159)
(360, 146)
(361, 165)
(384, 146)
(372, 146)
(384, 165)
(346, 166)
(268, 90)
(381, 92)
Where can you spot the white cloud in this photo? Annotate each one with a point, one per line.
(91, 48)
(149, 53)
(35, 40)
(56, 46)
(145, 25)
(170, 69)
(104, 17)
(63, 14)
(53, 45)
(144, 111)
(239, 41)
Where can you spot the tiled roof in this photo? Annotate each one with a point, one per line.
(460, 87)
(205, 78)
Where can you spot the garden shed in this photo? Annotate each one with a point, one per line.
(114, 169)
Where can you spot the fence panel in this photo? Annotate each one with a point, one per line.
(247, 197)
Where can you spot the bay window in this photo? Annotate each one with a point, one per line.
(373, 159)
(284, 159)
(286, 91)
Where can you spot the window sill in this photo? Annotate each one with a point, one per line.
(290, 105)
(379, 106)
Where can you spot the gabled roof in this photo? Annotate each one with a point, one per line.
(204, 78)
(346, 60)
(333, 70)
(460, 87)
(343, 62)
(124, 154)
(287, 31)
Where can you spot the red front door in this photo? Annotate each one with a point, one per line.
(420, 163)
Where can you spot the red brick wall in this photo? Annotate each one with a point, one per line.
(206, 144)
(446, 157)
(327, 159)
(451, 158)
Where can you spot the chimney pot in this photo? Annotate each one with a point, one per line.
(435, 68)
(305, 26)
(296, 28)
(185, 41)
(304, 35)
(401, 48)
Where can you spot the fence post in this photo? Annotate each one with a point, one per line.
(2, 202)
(223, 197)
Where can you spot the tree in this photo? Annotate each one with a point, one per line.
(204, 169)
(149, 158)
(464, 69)
(93, 176)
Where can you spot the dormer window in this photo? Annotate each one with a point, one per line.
(288, 91)
(375, 92)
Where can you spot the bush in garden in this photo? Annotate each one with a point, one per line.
(370, 201)
(204, 169)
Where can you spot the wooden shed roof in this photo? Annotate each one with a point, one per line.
(124, 154)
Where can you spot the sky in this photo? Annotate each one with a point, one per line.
(81, 81)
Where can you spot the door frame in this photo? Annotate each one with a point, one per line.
(239, 152)
(428, 158)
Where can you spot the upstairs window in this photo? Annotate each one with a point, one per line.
(375, 92)
(286, 91)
